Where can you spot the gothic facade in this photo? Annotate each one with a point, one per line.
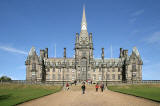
(83, 66)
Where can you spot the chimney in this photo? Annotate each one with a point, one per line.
(46, 52)
(121, 53)
(64, 52)
(42, 53)
(125, 53)
(102, 53)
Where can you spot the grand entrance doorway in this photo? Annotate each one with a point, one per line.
(83, 73)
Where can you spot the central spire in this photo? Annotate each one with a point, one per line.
(84, 22)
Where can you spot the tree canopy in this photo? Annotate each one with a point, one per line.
(5, 78)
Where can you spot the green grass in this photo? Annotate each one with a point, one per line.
(149, 91)
(12, 94)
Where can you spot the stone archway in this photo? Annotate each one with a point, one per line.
(83, 73)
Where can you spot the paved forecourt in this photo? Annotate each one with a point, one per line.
(74, 97)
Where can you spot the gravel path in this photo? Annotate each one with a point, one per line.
(74, 97)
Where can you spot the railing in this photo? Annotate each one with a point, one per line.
(133, 82)
(35, 82)
(63, 82)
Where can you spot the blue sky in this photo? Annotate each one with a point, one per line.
(44, 23)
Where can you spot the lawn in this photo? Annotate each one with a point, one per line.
(149, 91)
(12, 94)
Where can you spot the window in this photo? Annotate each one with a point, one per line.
(94, 76)
(100, 70)
(96, 63)
(56, 63)
(48, 76)
(53, 77)
(33, 73)
(133, 67)
(34, 66)
(53, 70)
(73, 75)
(67, 76)
(113, 70)
(119, 76)
(134, 74)
(113, 76)
(119, 69)
(72, 63)
(73, 70)
(89, 76)
(94, 70)
(83, 68)
(108, 70)
(40, 75)
(108, 77)
(47, 69)
(100, 77)
(59, 70)
(59, 76)
(78, 75)
(139, 67)
(67, 69)
(88, 68)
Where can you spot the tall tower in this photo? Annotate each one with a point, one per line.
(83, 49)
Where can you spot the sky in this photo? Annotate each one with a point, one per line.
(45, 23)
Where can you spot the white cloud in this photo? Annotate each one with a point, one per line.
(154, 38)
(13, 50)
(134, 15)
(137, 13)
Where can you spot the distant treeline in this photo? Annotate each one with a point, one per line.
(5, 78)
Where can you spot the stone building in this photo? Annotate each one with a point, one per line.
(83, 66)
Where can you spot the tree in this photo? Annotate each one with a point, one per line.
(5, 78)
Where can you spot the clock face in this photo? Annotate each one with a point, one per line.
(84, 40)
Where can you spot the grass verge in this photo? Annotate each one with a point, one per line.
(13, 94)
(148, 91)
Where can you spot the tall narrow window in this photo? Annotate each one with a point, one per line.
(89, 76)
(94, 70)
(133, 67)
(113, 69)
(59, 70)
(134, 74)
(53, 77)
(119, 76)
(33, 73)
(34, 66)
(113, 76)
(67, 69)
(119, 69)
(53, 69)
(99, 77)
(48, 76)
(108, 77)
(94, 76)
(67, 76)
(59, 76)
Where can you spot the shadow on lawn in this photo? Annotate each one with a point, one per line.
(2, 97)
